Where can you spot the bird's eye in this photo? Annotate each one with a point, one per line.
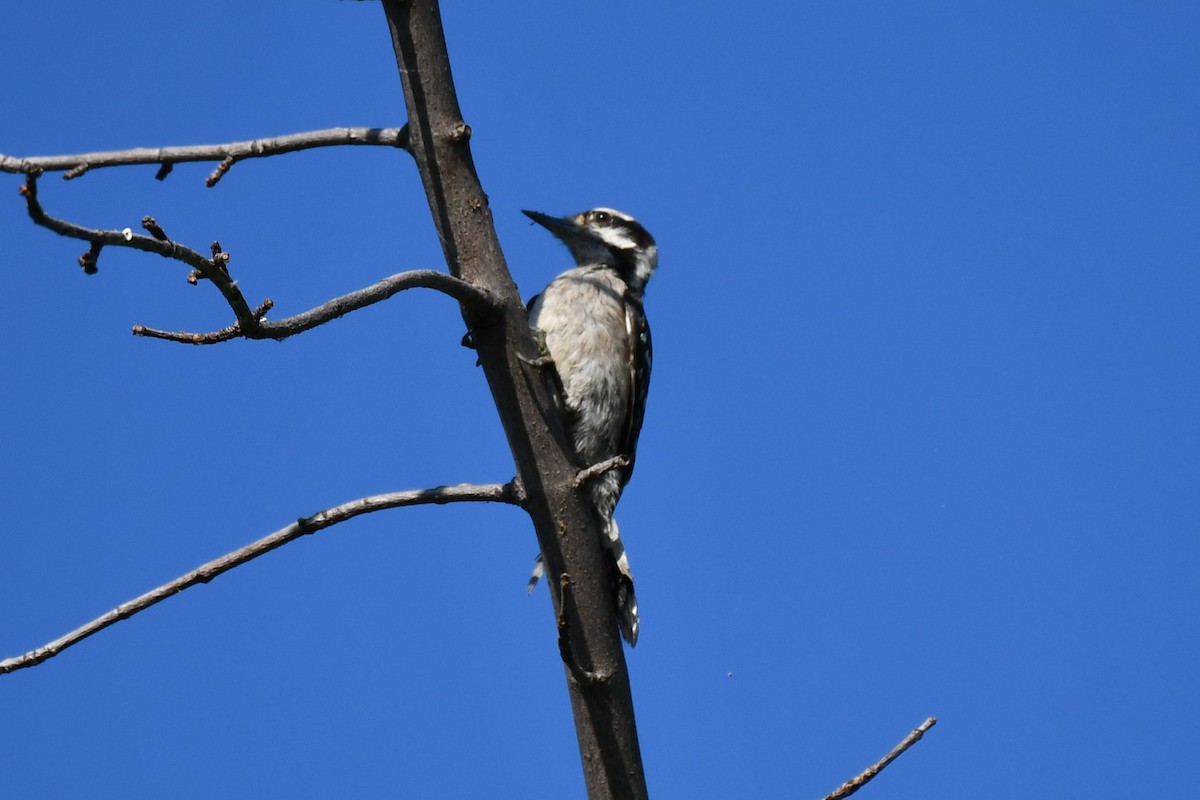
(603, 217)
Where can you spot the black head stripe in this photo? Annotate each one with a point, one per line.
(639, 234)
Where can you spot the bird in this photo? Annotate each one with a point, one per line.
(591, 323)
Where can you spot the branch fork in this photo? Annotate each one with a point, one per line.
(250, 322)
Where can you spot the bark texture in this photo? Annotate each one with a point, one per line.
(569, 536)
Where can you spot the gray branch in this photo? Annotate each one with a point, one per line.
(213, 269)
(250, 323)
(281, 329)
(228, 154)
(463, 493)
(857, 782)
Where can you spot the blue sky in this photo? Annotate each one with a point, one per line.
(922, 437)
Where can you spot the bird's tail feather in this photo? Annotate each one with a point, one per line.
(539, 569)
(627, 607)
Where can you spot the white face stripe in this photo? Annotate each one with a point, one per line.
(605, 236)
(616, 237)
(612, 212)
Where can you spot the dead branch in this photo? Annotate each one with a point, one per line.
(854, 784)
(463, 493)
(281, 329)
(213, 269)
(227, 154)
(233, 331)
(250, 323)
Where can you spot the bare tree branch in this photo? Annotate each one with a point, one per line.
(463, 493)
(854, 784)
(281, 329)
(466, 294)
(250, 322)
(233, 331)
(212, 269)
(227, 154)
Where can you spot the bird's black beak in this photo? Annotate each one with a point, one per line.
(556, 225)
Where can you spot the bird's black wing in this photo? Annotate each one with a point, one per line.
(641, 352)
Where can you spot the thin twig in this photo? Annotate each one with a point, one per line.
(281, 329)
(76, 165)
(224, 335)
(219, 172)
(854, 784)
(457, 288)
(463, 493)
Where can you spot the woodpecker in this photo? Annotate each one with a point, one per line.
(593, 327)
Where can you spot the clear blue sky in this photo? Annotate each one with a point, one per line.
(922, 436)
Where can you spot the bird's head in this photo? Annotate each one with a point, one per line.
(606, 237)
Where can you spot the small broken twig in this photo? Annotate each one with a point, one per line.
(150, 224)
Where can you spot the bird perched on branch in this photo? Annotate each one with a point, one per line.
(591, 323)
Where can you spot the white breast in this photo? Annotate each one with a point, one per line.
(582, 315)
